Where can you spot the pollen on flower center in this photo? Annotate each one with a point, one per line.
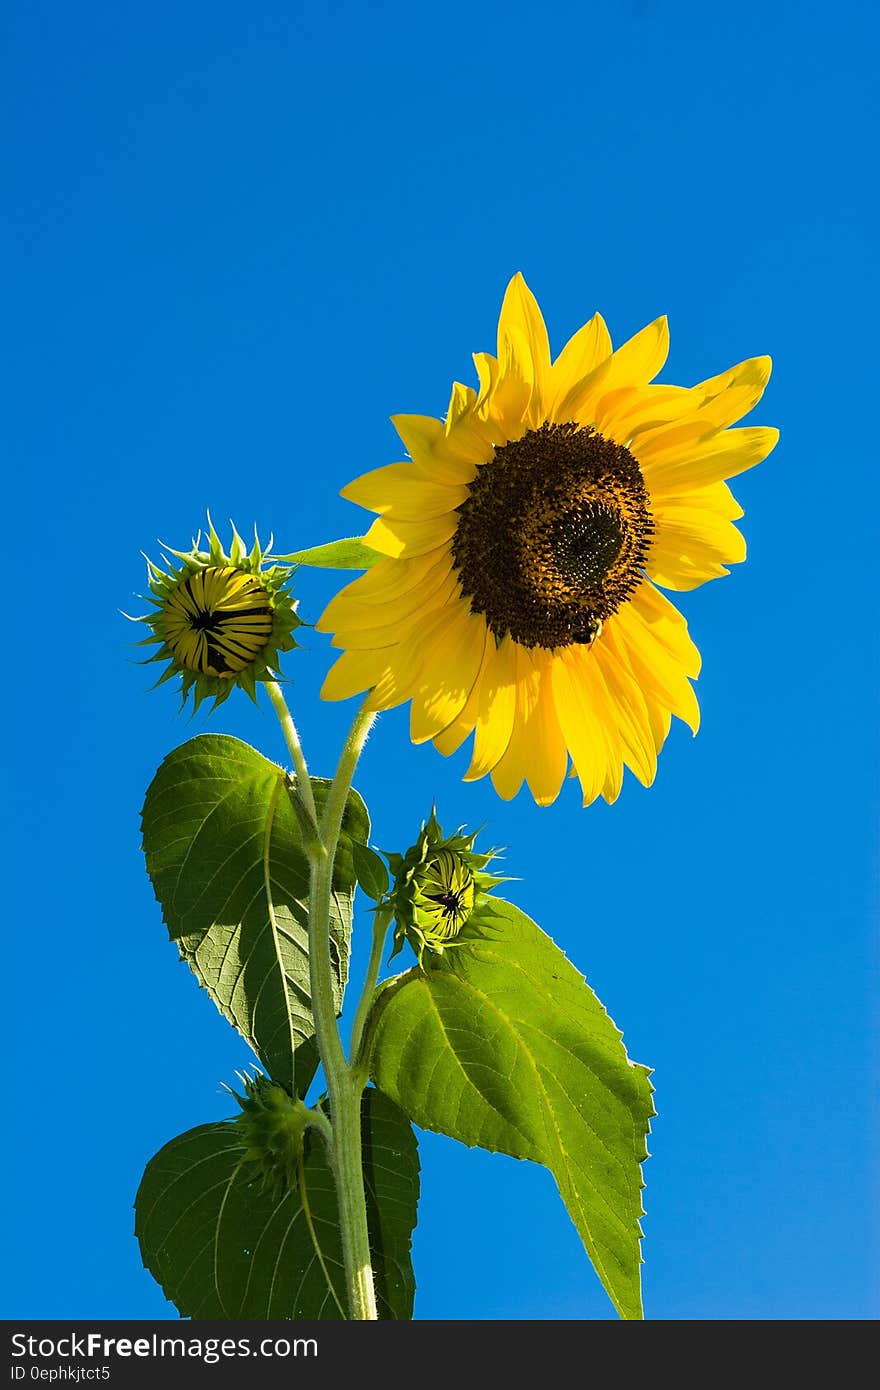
(553, 535)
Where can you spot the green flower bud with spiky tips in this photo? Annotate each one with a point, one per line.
(273, 1127)
(220, 620)
(438, 884)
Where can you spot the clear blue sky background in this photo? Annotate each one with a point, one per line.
(237, 239)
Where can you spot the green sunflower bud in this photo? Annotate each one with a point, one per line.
(273, 1126)
(438, 884)
(220, 620)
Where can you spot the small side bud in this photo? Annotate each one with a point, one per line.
(273, 1127)
(438, 884)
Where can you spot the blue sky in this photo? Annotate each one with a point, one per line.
(237, 242)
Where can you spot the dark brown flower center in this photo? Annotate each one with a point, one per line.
(553, 535)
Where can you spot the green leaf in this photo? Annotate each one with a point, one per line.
(348, 554)
(224, 852)
(372, 875)
(499, 1042)
(222, 1247)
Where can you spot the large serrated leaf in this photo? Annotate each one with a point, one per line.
(224, 852)
(222, 1247)
(500, 1043)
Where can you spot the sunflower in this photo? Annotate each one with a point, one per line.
(220, 620)
(523, 544)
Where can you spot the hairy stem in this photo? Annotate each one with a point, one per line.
(345, 1087)
(348, 761)
(360, 1065)
(291, 738)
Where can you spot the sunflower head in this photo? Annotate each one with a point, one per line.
(523, 546)
(437, 885)
(273, 1127)
(219, 620)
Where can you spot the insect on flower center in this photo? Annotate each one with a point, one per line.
(218, 620)
(553, 535)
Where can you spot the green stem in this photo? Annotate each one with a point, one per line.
(381, 923)
(291, 738)
(344, 1085)
(348, 761)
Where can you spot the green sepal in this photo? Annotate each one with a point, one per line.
(351, 553)
(372, 875)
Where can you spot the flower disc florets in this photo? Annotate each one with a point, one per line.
(220, 620)
(273, 1126)
(438, 883)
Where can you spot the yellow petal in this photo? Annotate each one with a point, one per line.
(661, 722)
(581, 718)
(345, 614)
(723, 456)
(523, 345)
(729, 396)
(691, 543)
(487, 374)
(504, 395)
(621, 412)
(536, 751)
(507, 776)
(448, 674)
(404, 664)
(630, 710)
(450, 739)
(635, 363)
(613, 784)
(406, 539)
(463, 398)
(402, 489)
(607, 717)
(544, 753)
(671, 568)
(353, 673)
(716, 498)
(656, 671)
(668, 626)
(386, 581)
(656, 443)
(509, 772)
(580, 401)
(582, 354)
(496, 709)
(420, 433)
(438, 456)
(470, 443)
(394, 624)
